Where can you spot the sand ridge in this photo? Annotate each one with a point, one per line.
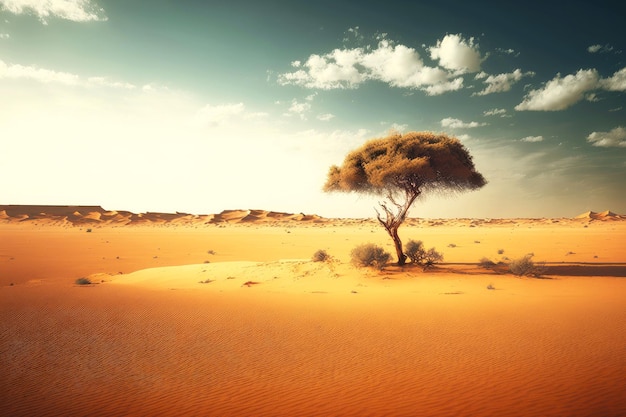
(98, 216)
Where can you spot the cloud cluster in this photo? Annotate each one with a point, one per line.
(453, 123)
(563, 92)
(613, 138)
(457, 54)
(532, 139)
(74, 10)
(395, 64)
(46, 76)
(599, 48)
(502, 82)
(495, 112)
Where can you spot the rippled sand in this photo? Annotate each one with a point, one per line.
(308, 338)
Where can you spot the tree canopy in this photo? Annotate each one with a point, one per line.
(416, 161)
(400, 167)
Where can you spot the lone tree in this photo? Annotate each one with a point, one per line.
(400, 167)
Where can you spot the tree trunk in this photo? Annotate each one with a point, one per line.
(392, 221)
(393, 232)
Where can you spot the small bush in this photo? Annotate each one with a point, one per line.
(432, 257)
(486, 263)
(525, 266)
(83, 281)
(415, 251)
(321, 256)
(369, 254)
(500, 251)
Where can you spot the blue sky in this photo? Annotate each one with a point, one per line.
(201, 106)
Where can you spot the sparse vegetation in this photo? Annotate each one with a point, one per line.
(452, 245)
(415, 251)
(370, 255)
(321, 256)
(432, 257)
(525, 266)
(491, 287)
(83, 281)
(486, 263)
(500, 251)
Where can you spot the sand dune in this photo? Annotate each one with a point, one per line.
(604, 215)
(227, 315)
(96, 215)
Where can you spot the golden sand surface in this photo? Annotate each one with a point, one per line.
(233, 318)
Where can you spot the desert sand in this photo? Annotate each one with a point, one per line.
(227, 315)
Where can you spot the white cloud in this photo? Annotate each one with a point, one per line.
(495, 112)
(615, 83)
(614, 138)
(507, 51)
(501, 82)
(74, 10)
(599, 48)
(397, 65)
(217, 115)
(561, 93)
(397, 127)
(532, 139)
(453, 123)
(337, 69)
(400, 66)
(440, 88)
(299, 108)
(326, 117)
(46, 76)
(4, 36)
(457, 54)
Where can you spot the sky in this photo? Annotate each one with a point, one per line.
(203, 106)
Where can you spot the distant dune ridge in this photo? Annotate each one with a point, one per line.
(96, 215)
(605, 215)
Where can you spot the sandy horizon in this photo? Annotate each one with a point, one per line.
(195, 316)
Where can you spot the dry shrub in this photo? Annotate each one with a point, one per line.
(432, 257)
(321, 256)
(525, 266)
(370, 255)
(414, 249)
(416, 252)
(486, 263)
